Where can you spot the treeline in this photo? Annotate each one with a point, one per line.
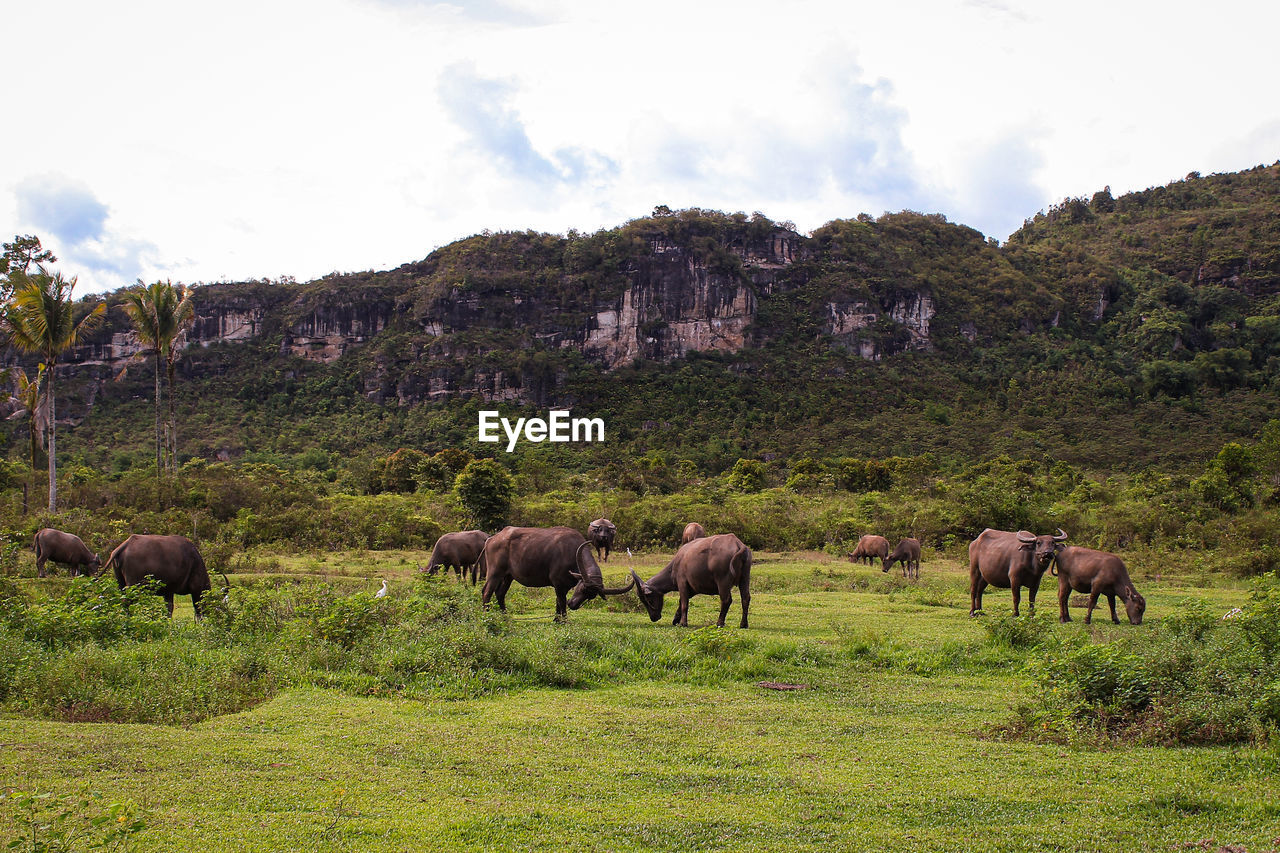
(1224, 513)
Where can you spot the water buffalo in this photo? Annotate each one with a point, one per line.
(870, 547)
(174, 561)
(601, 533)
(713, 565)
(459, 551)
(693, 530)
(908, 554)
(1010, 561)
(1097, 573)
(558, 557)
(66, 549)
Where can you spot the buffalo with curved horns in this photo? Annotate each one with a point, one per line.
(1097, 573)
(66, 549)
(558, 557)
(693, 530)
(1010, 561)
(459, 551)
(713, 565)
(174, 561)
(601, 533)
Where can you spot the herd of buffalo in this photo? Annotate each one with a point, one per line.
(561, 558)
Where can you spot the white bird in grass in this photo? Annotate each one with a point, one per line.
(629, 552)
(382, 593)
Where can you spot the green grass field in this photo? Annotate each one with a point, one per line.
(866, 758)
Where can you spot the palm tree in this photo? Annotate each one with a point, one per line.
(40, 319)
(29, 396)
(160, 313)
(179, 315)
(140, 305)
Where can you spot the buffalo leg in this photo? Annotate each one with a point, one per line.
(1064, 596)
(682, 614)
(562, 605)
(1111, 600)
(1093, 602)
(744, 593)
(1017, 598)
(486, 593)
(726, 601)
(168, 602)
(976, 586)
(501, 592)
(40, 563)
(195, 604)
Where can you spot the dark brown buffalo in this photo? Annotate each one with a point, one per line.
(558, 557)
(1097, 573)
(908, 554)
(693, 530)
(459, 551)
(174, 561)
(1010, 561)
(601, 533)
(713, 565)
(67, 549)
(869, 548)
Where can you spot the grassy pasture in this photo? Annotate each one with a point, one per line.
(866, 758)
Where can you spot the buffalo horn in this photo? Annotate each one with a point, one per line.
(1060, 537)
(619, 590)
(1024, 536)
(640, 585)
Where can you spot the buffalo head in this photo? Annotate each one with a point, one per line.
(1044, 547)
(1134, 604)
(590, 580)
(652, 600)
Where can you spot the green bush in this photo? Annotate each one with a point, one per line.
(486, 491)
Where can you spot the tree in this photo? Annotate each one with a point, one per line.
(160, 313)
(486, 490)
(30, 397)
(18, 258)
(139, 304)
(40, 319)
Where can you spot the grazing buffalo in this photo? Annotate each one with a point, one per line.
(1010, 561)
(558, 557)
(1097, 573)
(66, 549)
(174, 561)
(693, 530)
(908, 554)
(601, 533)
(869, 548)
(713, 565)
(459, 551)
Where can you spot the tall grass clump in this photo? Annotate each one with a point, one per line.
(1196, 677)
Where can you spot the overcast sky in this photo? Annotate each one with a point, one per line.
(259, 139)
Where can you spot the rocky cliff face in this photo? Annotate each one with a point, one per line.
(671, 300)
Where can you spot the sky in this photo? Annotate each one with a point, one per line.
(204, 142)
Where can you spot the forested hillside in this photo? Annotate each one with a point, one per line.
(1129, 337)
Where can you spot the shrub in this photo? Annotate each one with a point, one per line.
(486, 490)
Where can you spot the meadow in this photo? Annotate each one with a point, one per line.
(615, 733)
